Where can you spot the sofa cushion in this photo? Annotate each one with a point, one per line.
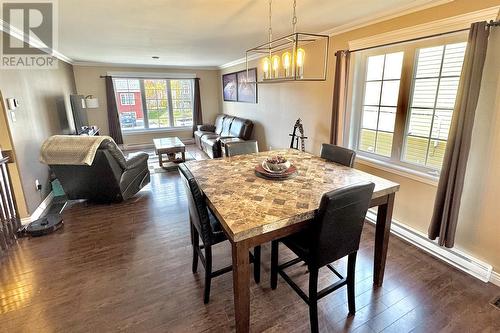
(199, 134)
(226, 126)
(241, 128)
(218, 123)
(211, 145)
(209, 139)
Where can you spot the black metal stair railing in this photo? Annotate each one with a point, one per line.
(9, 219)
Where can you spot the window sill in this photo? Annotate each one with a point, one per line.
(398, 170)
(156, 130)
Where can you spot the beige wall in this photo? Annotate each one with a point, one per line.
(281, 104)
(44, 103)
(479, 219)
(88, 82)
(7, 146)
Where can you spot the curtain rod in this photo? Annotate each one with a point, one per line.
(493, 23)
(489, 24)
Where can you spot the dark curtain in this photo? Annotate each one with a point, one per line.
(197, 116)
(339, 91)
(115, 130)
(449, 192)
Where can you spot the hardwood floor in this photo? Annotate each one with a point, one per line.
(127, 267)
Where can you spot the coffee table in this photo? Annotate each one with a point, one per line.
(170, 146)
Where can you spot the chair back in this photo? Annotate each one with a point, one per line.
(337, 226)
(241, 128)
(219, 121)
(198, 211)
(99, 182)
(241, 148)
(338, 154)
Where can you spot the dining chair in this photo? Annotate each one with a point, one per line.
(334, 233)
(338, 154)
(241, 148)
(205, 225)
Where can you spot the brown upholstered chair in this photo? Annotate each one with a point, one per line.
(241, 148)
(338, 154)
(205, 225)
(334, 233)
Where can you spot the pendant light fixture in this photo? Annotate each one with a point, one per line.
(284, 59)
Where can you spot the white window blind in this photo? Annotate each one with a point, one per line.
(434, 89)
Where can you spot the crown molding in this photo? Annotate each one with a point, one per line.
(427, 29)
(152, 75)
(122, 65)
(18, 34)
(384, 16)
(239, 61)
(357, 24)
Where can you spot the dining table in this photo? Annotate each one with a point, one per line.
(254, 210)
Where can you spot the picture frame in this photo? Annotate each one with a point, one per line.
(237, 87)
(247, 86)
(230, 87)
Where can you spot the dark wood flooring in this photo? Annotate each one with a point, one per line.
(127, 267)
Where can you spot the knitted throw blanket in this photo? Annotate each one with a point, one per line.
(70, 149)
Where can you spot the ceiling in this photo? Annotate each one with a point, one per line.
(198, 33)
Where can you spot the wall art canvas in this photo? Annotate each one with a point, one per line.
(230, 87)
(247, 86)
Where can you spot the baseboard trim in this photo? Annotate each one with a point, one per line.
(495, 278)
(137, 146)
(455, 257)
(39, 210)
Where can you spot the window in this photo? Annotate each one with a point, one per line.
(403, 101)
(127, 99)
(148, 104)
(380, 101)
(434, 89)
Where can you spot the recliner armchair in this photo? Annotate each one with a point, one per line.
(110, 178)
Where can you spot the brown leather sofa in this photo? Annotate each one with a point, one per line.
(208, 137)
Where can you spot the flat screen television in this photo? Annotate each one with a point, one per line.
(79, 112)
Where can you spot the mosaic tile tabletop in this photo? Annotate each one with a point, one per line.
(248, 205)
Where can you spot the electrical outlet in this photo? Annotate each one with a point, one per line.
(38, 186)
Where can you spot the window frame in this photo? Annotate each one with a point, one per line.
(357, 94)
(143, 102)
(125, 96)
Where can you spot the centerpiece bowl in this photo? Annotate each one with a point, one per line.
(276, 164)
(275, 168)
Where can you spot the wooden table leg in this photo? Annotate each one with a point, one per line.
(160, 160)
(382, 231)
(183, 156)
(241, 286)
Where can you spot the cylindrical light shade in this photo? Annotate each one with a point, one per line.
(92, 102)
